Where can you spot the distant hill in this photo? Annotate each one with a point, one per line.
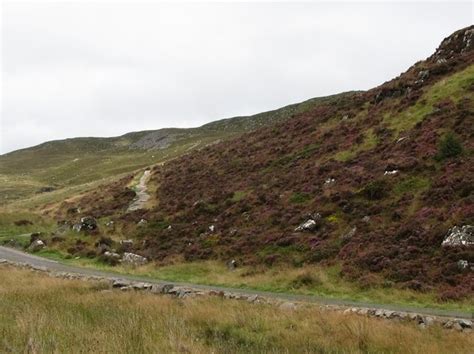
(71, 162)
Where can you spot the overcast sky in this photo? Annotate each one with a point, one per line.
(99, 69)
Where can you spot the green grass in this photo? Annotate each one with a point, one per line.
(370, 141)
(329, 282)
(9, 230)
(299, 198)
(238, 196)
(412, 184)
(454, 87)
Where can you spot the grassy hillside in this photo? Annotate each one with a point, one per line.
(380, 175)
(72, 162)
(383, 174)
(43, 315)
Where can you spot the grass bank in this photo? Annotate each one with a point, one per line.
(307, 280)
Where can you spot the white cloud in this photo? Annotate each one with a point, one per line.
(101, 69)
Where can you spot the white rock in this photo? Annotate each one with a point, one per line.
(133, 259)
(459, 236)
(329, 180)
(389, 173)
(308, 225)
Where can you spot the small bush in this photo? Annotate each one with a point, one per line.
(298, 198)
(23, 222)
(305, 280)
(376, 190)
(449, 147)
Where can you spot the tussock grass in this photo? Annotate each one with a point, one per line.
(43, 315)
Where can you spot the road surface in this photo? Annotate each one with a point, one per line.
(14, 255)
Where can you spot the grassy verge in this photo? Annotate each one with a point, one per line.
(307, 280)
(45, 315)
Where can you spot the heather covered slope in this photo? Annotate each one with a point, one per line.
(56, 165)
(365, 185)
(384, 174)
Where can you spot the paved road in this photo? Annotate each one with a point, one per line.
(19, 256)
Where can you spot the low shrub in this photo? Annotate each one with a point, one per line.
(299, 198)
(449, 147)
(376, 190)
(305, 280)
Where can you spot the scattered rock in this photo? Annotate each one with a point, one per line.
(133, 259)
(142, 222)
(161, 288)
(464, 323)
(448, 324)
(366, 219)
(87, 223)
(212, 228)
(463, 264)
(36, 245)
(231, 265)
(111, 256)
(423, 74)
(428, 321)
(141, 286)
(459, 236)
(329, 181)
(399, 140)
(127, 244)
(389, 173)
(347, 236)
(77, 227)
(120, 283)
(253, 298)
(308, 225)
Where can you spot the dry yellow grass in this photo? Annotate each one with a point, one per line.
(44, 315)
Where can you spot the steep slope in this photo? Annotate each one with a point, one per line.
(370, 182)
(71, 162)
(378, 177)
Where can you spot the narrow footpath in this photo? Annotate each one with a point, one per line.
(142, 194)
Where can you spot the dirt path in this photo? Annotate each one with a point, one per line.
(141, 191)
(16, 256)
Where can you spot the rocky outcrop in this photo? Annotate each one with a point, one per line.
(154, 141)
(459, 237)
